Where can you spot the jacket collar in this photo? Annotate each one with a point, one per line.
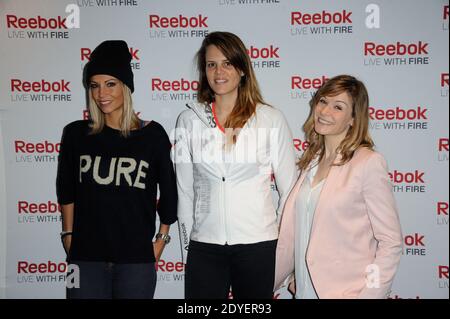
(204, 113)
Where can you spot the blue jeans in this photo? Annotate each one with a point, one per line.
(104, 280)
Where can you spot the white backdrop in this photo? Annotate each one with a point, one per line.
(398, 48)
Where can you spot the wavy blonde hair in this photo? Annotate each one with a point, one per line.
(128, 121)
(249, 94)
(358, 134)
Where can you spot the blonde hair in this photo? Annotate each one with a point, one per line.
(358, 134)
(128, 121)
(249, 94)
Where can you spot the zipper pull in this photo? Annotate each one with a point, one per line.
(223, 179)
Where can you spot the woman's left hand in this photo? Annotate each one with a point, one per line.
(158, 247)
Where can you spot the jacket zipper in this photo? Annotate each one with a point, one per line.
(224, 209)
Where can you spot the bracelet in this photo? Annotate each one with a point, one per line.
(163, 237)
(65, 233)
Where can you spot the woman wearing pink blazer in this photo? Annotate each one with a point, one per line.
(340, 233)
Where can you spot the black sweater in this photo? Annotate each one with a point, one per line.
(113, 184)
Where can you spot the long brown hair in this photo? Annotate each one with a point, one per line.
(358, 134)
(249, 95)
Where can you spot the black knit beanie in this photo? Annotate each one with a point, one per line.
(112, 58)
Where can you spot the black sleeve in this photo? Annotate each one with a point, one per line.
(168, 195)
(65, 179)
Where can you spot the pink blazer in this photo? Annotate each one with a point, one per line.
(355, 236)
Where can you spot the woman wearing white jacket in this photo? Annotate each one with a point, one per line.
(228, 222)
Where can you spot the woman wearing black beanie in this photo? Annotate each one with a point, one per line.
(109, 171)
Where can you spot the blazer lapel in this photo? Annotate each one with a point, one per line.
(326, 193)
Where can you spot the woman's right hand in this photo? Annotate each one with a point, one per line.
(67, 242)
(292, 287)
(67, 213)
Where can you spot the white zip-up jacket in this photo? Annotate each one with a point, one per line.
(224, 192)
